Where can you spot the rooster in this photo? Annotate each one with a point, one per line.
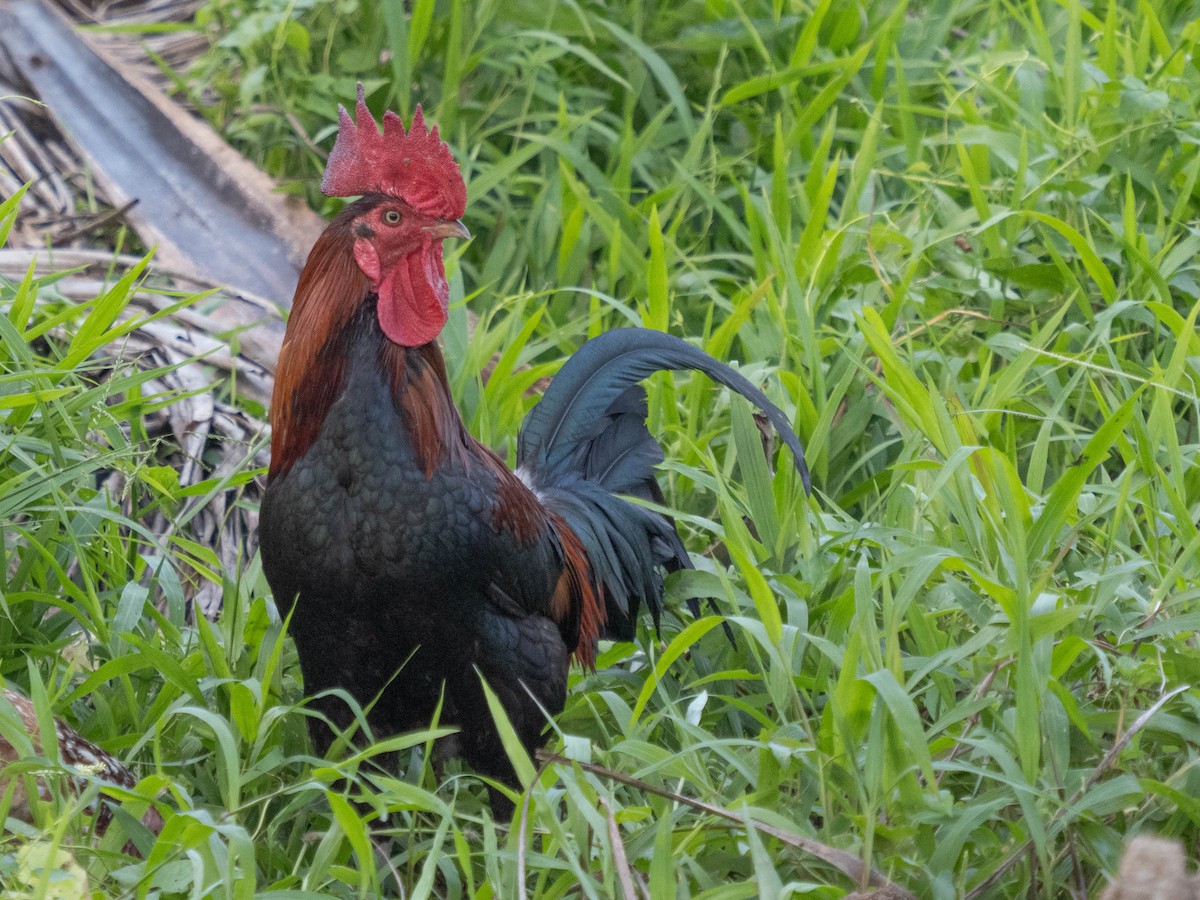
(414, 561)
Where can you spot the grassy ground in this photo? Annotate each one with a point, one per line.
(955, 239)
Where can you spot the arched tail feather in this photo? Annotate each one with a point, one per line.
(588, 394)
(586, 442)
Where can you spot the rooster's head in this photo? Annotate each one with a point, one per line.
(413, 197)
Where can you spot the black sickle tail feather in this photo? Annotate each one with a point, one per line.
(586, 442)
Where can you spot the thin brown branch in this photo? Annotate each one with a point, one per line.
(846, 863)
(992, 880)
(945, 314)
(93, 223)
(973, 720)
(523, 832)
(620, 858)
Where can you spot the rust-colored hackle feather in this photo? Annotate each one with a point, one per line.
(309, 375)
(578, 589)
(416, 167)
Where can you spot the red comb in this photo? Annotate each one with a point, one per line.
(415, 167)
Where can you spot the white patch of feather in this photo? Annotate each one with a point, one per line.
(527, 479)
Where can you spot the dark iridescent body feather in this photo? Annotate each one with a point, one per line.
(399, 572)
(414, 577)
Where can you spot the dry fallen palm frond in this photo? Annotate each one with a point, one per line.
(75, 751)
(176, 48)
(214, 436)
(192, 331)
(62, 198)
(206, 208)
(218, 353)
(28, 155)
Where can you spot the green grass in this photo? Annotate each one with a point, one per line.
(955, 240)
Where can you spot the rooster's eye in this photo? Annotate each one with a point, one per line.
(391, 217)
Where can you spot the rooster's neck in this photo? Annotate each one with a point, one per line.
(332, 330)
(421, 392)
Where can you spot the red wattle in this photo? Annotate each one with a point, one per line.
(414, 298)
(367, 258)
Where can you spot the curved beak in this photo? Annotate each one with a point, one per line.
(452, 229)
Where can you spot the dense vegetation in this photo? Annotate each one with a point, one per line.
(955, 239)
